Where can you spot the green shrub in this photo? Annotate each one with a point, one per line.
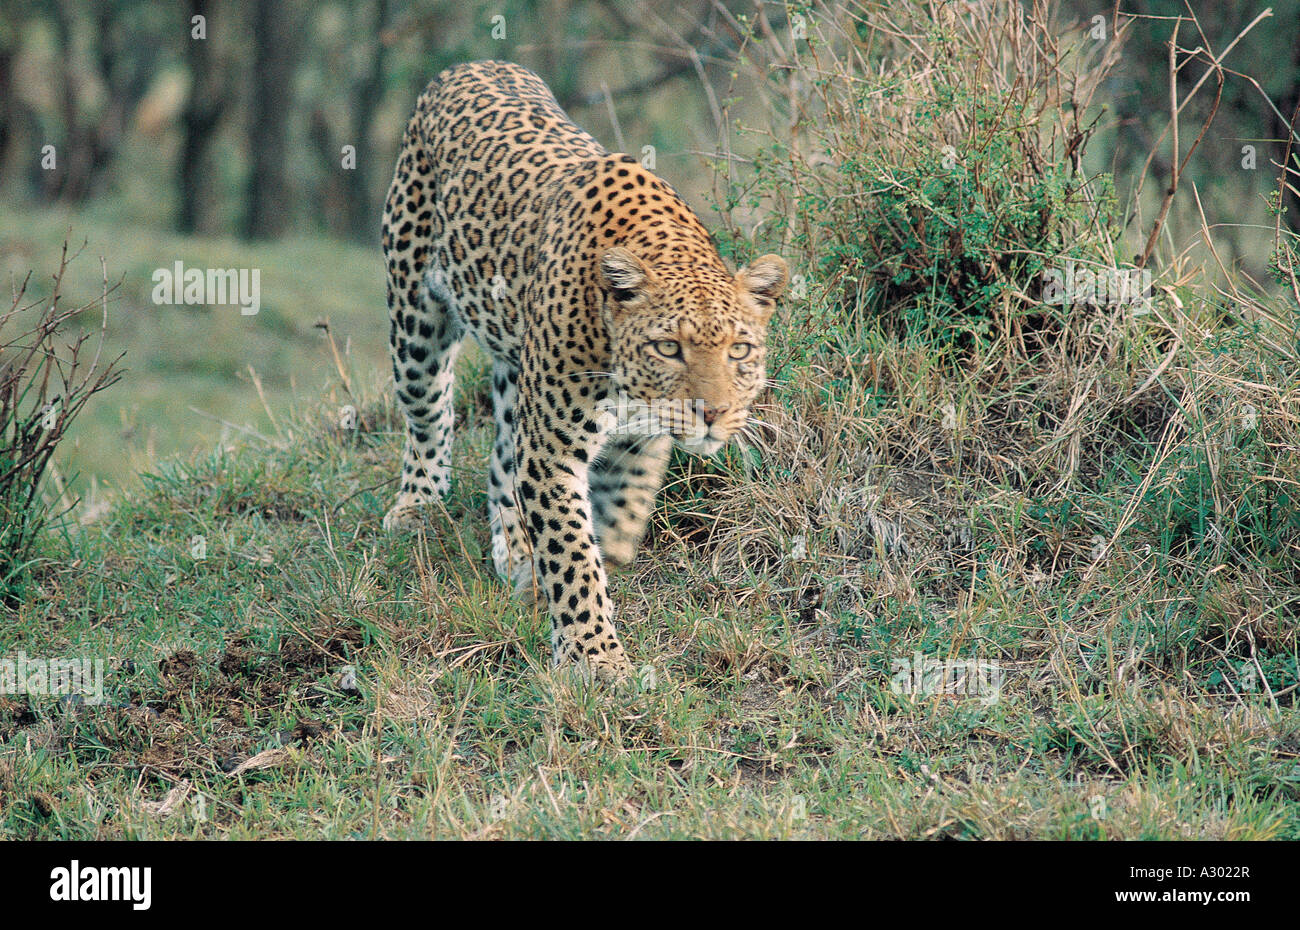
(930, 174)
(45, 381)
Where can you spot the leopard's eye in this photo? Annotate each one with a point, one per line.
(739, 351)
(668, 348)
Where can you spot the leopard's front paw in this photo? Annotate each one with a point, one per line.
(612, 672)
(618, 551)
(608, 668)
(521, 576)
(405, 516)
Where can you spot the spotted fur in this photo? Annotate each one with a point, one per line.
(613, 325)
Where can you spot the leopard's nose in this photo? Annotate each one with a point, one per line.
(711, 413)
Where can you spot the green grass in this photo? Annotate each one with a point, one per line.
(189, 370)
(771, 713)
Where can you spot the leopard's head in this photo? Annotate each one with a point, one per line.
(688, 344)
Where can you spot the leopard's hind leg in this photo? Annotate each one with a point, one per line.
(511, 553)
(425, 336)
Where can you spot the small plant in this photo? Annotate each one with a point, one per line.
(932, 169)
(1285, 261)
(44, 383)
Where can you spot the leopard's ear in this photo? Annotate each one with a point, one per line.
(624, 275)
(765, 277)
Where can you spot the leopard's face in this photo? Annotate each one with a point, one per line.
(688, 345)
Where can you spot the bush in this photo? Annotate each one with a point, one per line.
(1285, 260)
(932, 168)
(43, 386)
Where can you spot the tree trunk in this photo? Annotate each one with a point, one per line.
(199, 122)
(362, 207)
(275, 47)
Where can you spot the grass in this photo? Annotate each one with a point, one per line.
(780, 586)
(1088, 516)
(192, 372)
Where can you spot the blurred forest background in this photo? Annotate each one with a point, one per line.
(269, 141)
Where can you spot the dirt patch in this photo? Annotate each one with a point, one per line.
(320, 648)
(14, 716)
(237, 693)
(243, 677)
(278, 507)
(179, 666)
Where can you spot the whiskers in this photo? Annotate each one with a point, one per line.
(753, 424)
(752, 432)
(642, 418)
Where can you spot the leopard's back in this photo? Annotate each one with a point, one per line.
(487, 145)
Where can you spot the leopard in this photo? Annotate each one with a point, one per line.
(615, 330)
